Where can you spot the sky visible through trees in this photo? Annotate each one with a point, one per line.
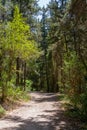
(43, 3)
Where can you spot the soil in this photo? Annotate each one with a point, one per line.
(43, 112)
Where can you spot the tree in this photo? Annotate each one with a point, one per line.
(44, 47)
(29, 10)
(16, 44)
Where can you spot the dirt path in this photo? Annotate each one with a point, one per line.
(43, 112)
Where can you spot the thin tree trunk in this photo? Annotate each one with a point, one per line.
(47, 78)
(21, 78)
(17, 71)
(24, 76)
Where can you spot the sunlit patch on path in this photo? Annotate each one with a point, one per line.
(43, 112)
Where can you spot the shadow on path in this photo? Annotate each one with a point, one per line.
(49, 119)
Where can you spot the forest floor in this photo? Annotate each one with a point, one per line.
(43, 112)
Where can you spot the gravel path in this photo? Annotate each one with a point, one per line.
(43, 112)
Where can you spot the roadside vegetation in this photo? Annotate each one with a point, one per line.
(47, 54)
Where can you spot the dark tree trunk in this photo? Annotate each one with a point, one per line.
(21, 78)
(17, 71)
(24, 76)
(47, 78)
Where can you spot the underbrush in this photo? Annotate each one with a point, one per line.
(14, 98)
(76, 108)
(17, 94)
(2, 111)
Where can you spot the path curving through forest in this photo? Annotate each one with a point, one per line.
(43, 112)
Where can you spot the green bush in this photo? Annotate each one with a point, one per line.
(28, 85)
(83, 105)
(75, 100)
(17, 94)
(2, 111)
(78, 107)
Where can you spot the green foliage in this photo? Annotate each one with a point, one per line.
(29, 85)
(63, 39)
(77, 106)
(83, 106)
(16, 41)
(18, 35)
(17, 94)
(2, 111)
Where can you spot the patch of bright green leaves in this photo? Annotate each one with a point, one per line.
(17, 94)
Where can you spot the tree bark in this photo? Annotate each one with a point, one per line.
(17, 71)
(24, 76)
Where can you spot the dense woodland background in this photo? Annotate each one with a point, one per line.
(47, 54)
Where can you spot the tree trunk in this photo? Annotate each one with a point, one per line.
(24, 76)
(17, 71)
(21, 78)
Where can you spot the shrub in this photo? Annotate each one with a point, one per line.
(28, 85)
(17, 94)
(2, 111)
(83, 105)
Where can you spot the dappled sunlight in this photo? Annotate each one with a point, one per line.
(43, 112)
(43, 64)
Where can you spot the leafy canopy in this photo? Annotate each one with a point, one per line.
(19, 39)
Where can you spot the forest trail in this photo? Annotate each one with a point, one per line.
(43, 112)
